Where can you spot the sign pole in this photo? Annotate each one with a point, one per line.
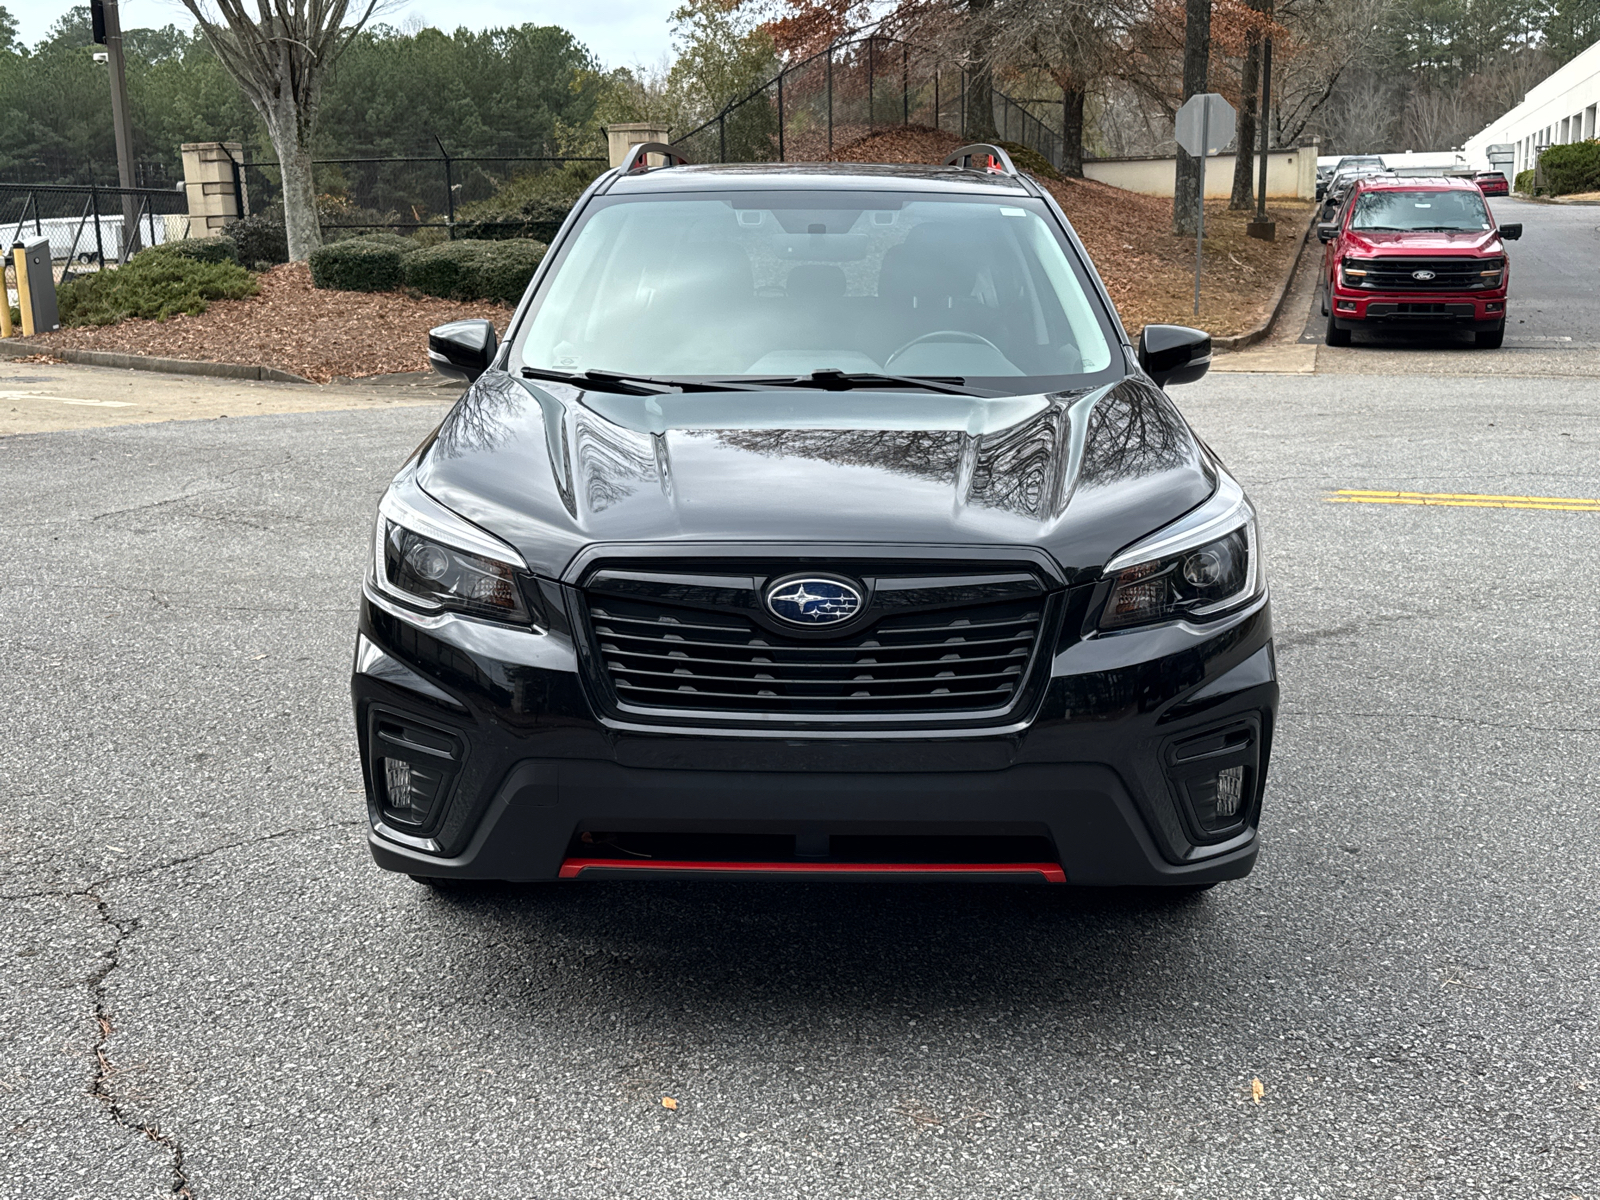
(1200, 205)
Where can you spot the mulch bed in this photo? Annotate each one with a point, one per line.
(290, 325)
(1148, 270)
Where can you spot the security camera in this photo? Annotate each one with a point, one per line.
(100, 56)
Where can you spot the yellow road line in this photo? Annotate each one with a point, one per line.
(1464, 500)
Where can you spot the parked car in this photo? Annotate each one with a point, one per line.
(816, 520)
(1343, 180)
(1348, 163)
(1492, 183)
(1422, 254)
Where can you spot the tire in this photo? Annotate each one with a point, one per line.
(1490, 339)
(1334, 335)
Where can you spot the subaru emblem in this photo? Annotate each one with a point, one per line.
(811, 600)
(1422, 276)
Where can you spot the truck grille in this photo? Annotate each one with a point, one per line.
(1448, 274)
(963, 658)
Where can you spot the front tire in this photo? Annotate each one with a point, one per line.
(1334, 335)
(1490, 339)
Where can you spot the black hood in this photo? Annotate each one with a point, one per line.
(552, 469)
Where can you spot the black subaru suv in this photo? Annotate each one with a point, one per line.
(816, 521)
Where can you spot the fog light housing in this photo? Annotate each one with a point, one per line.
(413, 765)
(1214, 775)
(1345, 305)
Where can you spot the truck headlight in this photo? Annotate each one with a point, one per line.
(1205, 564)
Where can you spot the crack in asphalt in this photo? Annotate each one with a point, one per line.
(100, 1085)
(90, 888)
(105, 1071)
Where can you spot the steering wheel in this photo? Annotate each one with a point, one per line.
(944, 335)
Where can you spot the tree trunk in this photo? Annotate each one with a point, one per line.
(1196, 59)
(980, 80)
(1244, 162)
(1072, 132)
(291, 138)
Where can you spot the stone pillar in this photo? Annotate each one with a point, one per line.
(630, 133)
(213, 184)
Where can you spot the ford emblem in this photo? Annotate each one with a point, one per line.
(1422, 276)
(813, 601)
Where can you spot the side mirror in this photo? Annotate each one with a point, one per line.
(1511, 232)
(1327, 231)
(1322, 190)
(462, 349)
(1174, 353)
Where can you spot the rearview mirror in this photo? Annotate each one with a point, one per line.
(462, 349)
(1174, 353)
(1327, 231)
(1511, 232)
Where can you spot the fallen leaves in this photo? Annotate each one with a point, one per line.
(669, 1103)
(1257, 1090)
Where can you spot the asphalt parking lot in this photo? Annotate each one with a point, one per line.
(207, 986)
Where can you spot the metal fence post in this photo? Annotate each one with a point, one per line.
(449, 194)
(870, 82)
(38, 229)
(99, 246)
(780, 118)
(963, 103)
(905, 83)
(936, 96)
(830, 98)
(722, 136)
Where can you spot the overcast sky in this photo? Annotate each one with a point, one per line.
(620, 32)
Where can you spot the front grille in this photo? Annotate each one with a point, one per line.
(966, 657)
(1449, 274)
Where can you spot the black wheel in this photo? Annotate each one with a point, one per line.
(1490, 339)
(1336, 336)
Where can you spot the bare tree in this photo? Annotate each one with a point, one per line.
(280, 59)
(1196, 61)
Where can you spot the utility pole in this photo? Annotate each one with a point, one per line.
(107, 25)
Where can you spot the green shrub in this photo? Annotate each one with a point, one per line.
(156, 284)
(369, 264)
(203, 250)
(1523, 182)
(1572, 168)
(531, 205)
(260, 237)
(474, 270)
(1027, 159)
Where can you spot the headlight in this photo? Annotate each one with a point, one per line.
(427, 556)
(1353, 272)
(1203, 565)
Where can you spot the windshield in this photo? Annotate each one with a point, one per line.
(782, 284)
(1400, 212)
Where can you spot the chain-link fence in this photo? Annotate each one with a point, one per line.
(401, 193)
(92, 227)
(857, 87)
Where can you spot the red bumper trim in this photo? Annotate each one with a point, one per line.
(572, 868)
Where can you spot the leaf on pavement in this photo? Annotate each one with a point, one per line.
(1257, 1090)
(669, 1102)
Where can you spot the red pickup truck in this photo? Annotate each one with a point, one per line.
(1423, 254)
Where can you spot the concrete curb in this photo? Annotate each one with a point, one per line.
(21, 348)
(1260, 332)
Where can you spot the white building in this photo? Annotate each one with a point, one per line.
(1557, 111)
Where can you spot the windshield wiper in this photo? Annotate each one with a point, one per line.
(844, 381)
(630, 385)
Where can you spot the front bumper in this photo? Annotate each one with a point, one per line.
(1091, 787)
(1354, 309)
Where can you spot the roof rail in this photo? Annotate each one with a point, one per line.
(639, 156)
(998, 161)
